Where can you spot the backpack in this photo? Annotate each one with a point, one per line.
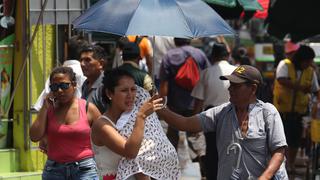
(188, 74)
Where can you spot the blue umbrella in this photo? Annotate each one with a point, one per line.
(177, 18)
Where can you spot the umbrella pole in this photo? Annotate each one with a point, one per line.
(153, 65)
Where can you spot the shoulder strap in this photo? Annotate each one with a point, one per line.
(109, 120)
(190, 55)
(87, 106)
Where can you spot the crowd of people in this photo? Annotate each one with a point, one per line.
(94, 122)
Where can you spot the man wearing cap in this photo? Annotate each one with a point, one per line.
(247, 130)
(295, 81)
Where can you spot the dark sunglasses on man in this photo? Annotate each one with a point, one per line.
(56, 86)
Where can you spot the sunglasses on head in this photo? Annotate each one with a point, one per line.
(56, 86)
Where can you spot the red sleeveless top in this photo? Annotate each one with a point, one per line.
(69, 143)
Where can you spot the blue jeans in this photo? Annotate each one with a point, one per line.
(85, 169)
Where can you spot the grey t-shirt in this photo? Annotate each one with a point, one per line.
(265, 134)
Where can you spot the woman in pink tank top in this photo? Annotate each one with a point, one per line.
(66, 121)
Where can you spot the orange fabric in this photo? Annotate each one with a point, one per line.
(145, 46)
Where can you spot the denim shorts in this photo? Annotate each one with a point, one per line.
(85, 169)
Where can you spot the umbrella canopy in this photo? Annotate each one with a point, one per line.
(177, 18)
(293, 17)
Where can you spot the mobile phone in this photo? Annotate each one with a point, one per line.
(52, 101)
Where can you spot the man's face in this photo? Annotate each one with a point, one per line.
(91, 67)
(241, 93)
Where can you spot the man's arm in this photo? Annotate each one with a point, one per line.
(274, 164)
(163, 88)
(190, 124)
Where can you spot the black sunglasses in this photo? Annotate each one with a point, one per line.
(55, 87)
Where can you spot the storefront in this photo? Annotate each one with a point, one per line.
(30, 46)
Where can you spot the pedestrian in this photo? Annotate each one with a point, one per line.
(75, 45)
(179, 98)
(295, 81)
(131, 58)
(146, 52)
(209, 92)
(65, 120)
(161, 45)
(117, 60)
(240, 56)
(128, 139)
(93, 61)
(249, 133)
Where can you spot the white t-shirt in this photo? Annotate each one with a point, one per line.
(210, 88)
(283, 72)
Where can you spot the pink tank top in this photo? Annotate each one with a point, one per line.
(69, 143)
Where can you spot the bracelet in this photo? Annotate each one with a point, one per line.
(164, 107)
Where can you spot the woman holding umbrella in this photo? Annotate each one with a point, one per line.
(128, 140)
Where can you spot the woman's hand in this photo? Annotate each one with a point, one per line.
(49, 101)
(153, 104)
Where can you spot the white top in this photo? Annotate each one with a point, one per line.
(210, 88)
(76, 67)
(157, 157)
(283, 72)
(107, 161)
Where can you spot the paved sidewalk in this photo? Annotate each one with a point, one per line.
(191, 172)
